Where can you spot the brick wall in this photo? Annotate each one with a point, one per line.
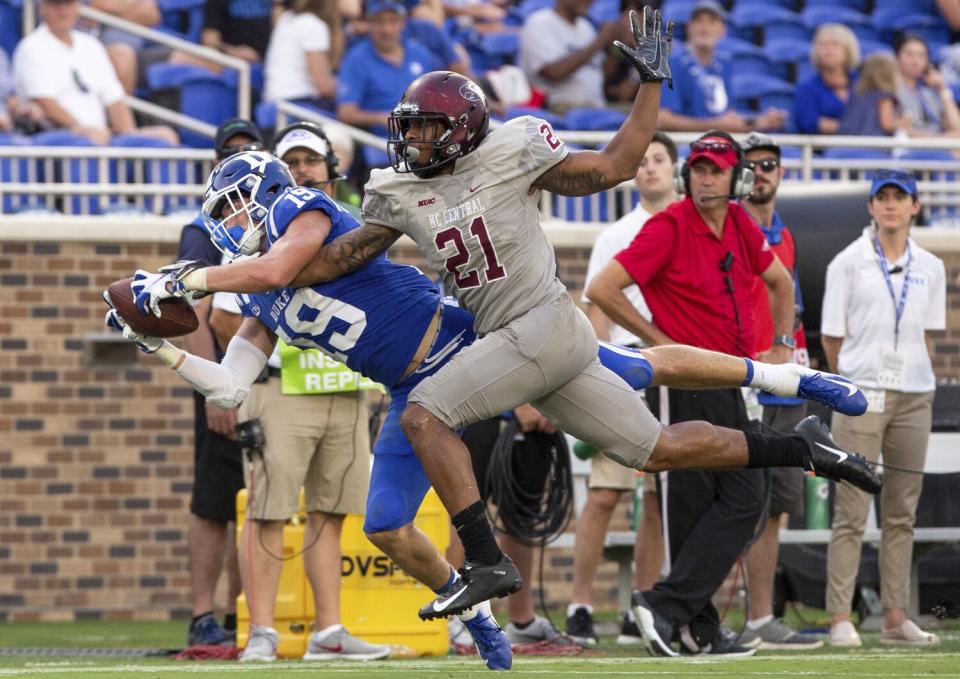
(96, 464)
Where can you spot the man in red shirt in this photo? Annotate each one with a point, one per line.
(695, 263)
(781, 413)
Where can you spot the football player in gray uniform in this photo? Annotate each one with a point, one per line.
(470, 200)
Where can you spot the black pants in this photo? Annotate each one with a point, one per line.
(709, 517)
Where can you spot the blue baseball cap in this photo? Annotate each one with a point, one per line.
(377, 6)
(902, 179)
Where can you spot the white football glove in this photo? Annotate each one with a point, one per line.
(114, 321)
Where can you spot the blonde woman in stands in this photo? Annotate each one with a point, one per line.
(874, 109)
(822, 98)
(305, 50)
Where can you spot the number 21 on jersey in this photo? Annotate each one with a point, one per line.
(452, 244)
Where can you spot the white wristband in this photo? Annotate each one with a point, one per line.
(169, 355)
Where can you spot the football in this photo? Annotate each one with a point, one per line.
(177, 316)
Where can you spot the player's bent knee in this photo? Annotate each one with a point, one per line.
(387, 510)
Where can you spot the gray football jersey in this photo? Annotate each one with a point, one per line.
(480, 226)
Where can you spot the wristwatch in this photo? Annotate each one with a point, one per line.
(785, 340)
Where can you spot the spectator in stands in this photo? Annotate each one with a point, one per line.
(25, 115)
(124, 48)
(884, 296)
(701, 94)
(375, 72)
(926, 101)
(217, 469)
(786, 484)
(609, 480)
(240, 28)
(695, 263)
(69, 75)
(562, 54)
(873, 110)
(620, 82)
(305, 50)
(821, 98)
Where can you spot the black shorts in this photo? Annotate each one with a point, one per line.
(217, 470)
(531, 460)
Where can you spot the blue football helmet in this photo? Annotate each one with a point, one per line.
(248, 182)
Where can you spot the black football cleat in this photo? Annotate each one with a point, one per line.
(477, 584)
(656, 629)
(826, 458)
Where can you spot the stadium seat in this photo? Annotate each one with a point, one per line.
(749, 88)
(859, 5)
(814, 17)
(11, 25)
(785, 29)
(205, 95)
(866, 32)
(183, 18)
(855, 154)
(786, 56)
(491, 50)
(602, 11)
(754, 16)
(921, 6)
(735, 47)
(752, 63)
(594, 119)
(932, 29)
(868, 47)
(556, 121)
(786, 4)
(528, 7)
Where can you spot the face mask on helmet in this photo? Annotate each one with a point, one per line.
(238, 198)
(420, 142)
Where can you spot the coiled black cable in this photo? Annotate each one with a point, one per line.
(532, 517)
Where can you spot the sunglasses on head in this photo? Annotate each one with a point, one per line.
(228, 151)
(715, 145)
(767, 164)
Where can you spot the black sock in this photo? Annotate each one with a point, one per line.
(766, 450)
(193, 620)
(476, 535)
(230, 621)
(524, 625)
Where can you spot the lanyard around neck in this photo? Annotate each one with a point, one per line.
(898, 306)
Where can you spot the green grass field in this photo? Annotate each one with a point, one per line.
(873, 660)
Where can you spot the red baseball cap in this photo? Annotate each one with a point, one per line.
(717, 150)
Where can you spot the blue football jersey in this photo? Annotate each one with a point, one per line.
(372, 319)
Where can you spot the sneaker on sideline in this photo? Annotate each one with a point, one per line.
(629, 632)
(656, 629)
(261, 646)
(720, 647)
(206, 631)
(579, 627)
(775, 634)
(539, 629)
(908, 634)
(844, 634)
(336, 643)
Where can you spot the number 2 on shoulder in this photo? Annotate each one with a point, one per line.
(547, 133)
(461, 255)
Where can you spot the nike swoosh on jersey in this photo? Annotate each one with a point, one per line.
(446, 350)
(438, 606)
(474, 188)
(842, 455)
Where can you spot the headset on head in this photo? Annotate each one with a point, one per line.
(741, 183)
(329, 158)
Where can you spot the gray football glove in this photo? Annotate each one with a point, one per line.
(651, 56)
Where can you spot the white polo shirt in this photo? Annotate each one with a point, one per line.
(547, 37)
(857, 306)
(612, 240)
(79, 76)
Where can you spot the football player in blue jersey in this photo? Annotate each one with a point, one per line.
(384, 320)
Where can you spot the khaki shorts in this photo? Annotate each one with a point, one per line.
(318, 442)
(605, 473)
(547, 357)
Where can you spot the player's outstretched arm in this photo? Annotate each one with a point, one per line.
(347, 254)
(225, 384)
(586, 172)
